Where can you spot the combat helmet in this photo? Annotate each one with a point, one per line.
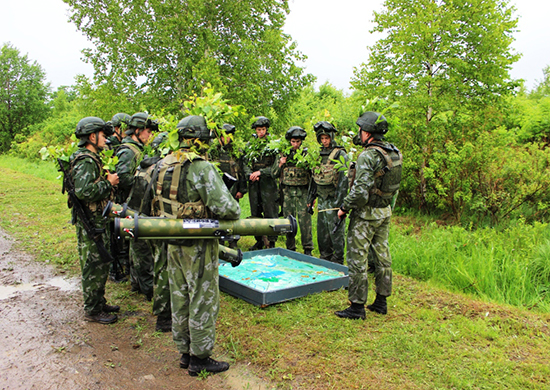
(194, 126)
(159, 139)
(120, 118)
(324, 128)
(261, 121)
(91, 125)
(295, 132)
(140, 121)
(229, 129)
(373, 123)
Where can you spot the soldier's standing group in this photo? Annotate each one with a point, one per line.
(181, 276)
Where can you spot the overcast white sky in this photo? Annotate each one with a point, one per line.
(333, 34)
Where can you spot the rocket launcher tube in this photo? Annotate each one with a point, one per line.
(233, 256)
(155, 228)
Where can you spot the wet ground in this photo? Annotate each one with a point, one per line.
(46, 344)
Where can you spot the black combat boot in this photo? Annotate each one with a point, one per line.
(307, 252)
(184, 360)
(101, 317)
(379, 305)
(355, 312)
(111, 308)
(271, 244)
(164, 324)
(208, 364)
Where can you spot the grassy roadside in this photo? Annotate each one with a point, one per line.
(430, 339)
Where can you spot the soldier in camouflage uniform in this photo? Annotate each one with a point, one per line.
(377, 181)
(231, 166)
(262, 187)
(330, 186)
(120, 247)
(119, 122)
(189, 187)
(137, 201)
(94, 187)
(130, 154)
(295, 183)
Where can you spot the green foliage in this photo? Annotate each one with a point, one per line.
(501, 265)
(23, 94)
(446, 64)
(162, 51)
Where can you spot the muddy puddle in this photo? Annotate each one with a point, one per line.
(46, 344)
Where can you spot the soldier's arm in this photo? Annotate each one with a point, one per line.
(125, 168)
(243, 182)
(212, 190)
(367, 164)
(342, 187)
(87, 187)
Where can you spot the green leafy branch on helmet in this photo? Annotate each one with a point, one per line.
(213, 107)
(108, 160)
(52, 153)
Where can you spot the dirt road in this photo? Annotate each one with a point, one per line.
(46, 344)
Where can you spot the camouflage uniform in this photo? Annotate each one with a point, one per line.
(161, 285)
(94, 190)
(112, 142)
(330, 195)
(223, 155)
(193, 264)
(141, 258)
(295, 184)
(263, 194)
(370, 227)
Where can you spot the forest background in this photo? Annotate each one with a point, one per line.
(475, 140)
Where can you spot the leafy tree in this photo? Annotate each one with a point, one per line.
(23, 94)
(167, 50)
(446, 63)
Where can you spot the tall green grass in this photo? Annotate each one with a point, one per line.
(510, 266)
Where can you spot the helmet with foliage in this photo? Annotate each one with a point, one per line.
(120, 118)
(229, 129)
(194, 126)
(261, 121)
(324, 128)
(160, 138)
(91, 125)
(373, 123)
(140, 121)
(295, 132)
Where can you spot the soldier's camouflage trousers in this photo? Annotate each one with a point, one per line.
(141, 267)
(195, 300)
(95, 270)
(161, 286)
(362, 235)
(295, 203)
(263, 204)
(331, 246)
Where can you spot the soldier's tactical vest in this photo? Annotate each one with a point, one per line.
(137, 152)
(294, 176)
(227, 163)
(266, 160)
(171, 181)
(142, 178)
(387, 179)
(97, 206)
(327, 175)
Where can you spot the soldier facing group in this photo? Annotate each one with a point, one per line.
(184, 273)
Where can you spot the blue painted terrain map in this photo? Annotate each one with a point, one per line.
(275, 272)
